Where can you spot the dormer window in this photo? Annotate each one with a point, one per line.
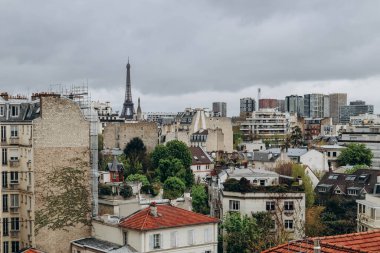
(2, 110)
(350, 178)
(15, 110)
(353, 192)
(363, 178)
(333, 176)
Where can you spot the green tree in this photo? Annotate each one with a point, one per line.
(126, 191)
(355, 168)
(138, 178)
(296, 138)
(241, 232)
(298, 171)
(173, 188)
(355, 154)
(105, 189)
(135, 152)
(174, 159)
(200, 199)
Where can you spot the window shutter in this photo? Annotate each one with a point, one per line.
(191, 237)
(150, 241)
(161, 241)
(173, 239)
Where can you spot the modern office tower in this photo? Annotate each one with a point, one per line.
(219, 109)
(355, 108)
(313, 106)
(247, 106)
(337, 100)
(294, 104)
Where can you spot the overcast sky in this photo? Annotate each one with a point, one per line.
(190, 53)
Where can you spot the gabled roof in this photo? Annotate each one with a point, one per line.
(168, 217)
(365, 242)
(199, 156)
(362, 179)
(264, 156)
(115, 166)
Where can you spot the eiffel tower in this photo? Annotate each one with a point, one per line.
(128, 108)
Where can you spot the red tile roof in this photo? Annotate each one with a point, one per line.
(365, 242)
(168, 216)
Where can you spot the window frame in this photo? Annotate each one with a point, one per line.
(234, 205)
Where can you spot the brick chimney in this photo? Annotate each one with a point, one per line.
(153, 209)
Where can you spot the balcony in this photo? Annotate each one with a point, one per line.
(14, 163)
(14, 185)
(14, 141)
(14, 209)
(14, 233)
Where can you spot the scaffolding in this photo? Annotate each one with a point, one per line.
(80, 95)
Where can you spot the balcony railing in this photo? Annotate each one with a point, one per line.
(14, 141)
(14, 163)
(14, 233)
(14, 209)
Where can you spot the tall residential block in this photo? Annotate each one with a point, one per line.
(46, 173)
(294, 104)
(219, 109)
(247, 106)
(354, 109)
(337, 100)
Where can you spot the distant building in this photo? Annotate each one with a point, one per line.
(247, 106)
(326, 106)
(161, 117)
(354, 109)
(294, 104)
(268, 103)
(281, 105)
(314, 105)
(219, 109)
(337, 100)
(202, 164)
(368, 217)
(313, 127)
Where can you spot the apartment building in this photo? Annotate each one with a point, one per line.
(355, 108)
(42, 142)
(337, 100)
(368, 217)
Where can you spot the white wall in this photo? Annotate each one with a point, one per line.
(315, 160)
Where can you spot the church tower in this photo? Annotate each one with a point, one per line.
(128, 108)
(139, 111)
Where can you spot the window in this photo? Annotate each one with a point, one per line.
(14, 110)
(15, 224)
(4, 153)
(334, 154)
(15, 247)
(207, 235)
(15, 200)
(328, 154)
(289, 205)
(373, 213)
(1, 110)
(270, 206)
(156, 241)
(289, 224)
(5, 203)
(114, 176)
(350, 178)
(234, 205)
(333, 176)
(4, 177)
(190, 237)
(3, 134)
(262, 182)
(5, 247)
(125, 238)
(198, 167)
(208, 251)
(14, 177)
(352, 192)
(14, 131)
(5, 227)
(174, 239)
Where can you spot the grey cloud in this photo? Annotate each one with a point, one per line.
(186, 46)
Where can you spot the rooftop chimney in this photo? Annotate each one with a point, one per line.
(317, 246)
(153, 209)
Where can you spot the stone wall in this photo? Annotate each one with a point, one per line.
(117, 135)
(60, 141)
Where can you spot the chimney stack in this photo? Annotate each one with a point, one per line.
(153, 209)
(317, 246)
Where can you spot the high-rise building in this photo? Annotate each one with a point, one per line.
(281, 105)
(337, 100)
(354, 109)
(268, 103)
(313, 106)
(326, 106)
(294, 104)
(247, 106)
(128, 111)
(219, 109)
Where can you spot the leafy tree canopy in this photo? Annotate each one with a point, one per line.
(173, 188)
(298, 171)
(135, 152)
(355, 154)
(199, 199)
(138, 177)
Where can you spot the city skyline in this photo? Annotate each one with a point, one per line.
(192, 53)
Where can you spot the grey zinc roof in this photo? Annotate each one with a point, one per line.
(97, 244)
(264, 156)
(292, 152)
